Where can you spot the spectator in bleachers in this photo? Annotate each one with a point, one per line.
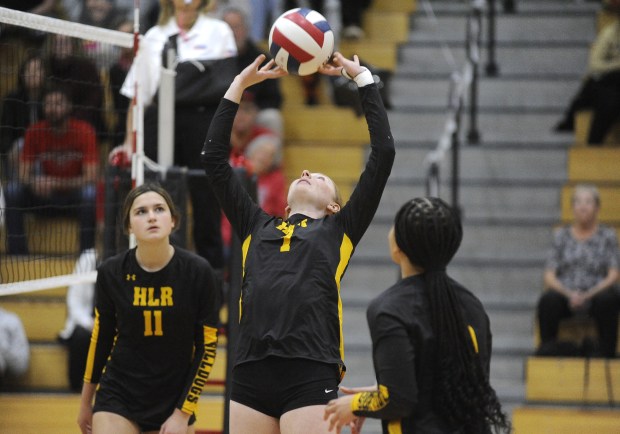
(104, 14)
(600, 90)
(197, 37)
(69, 68)
(267, 94)
(14, 346)
(80, 320)
(21, 108)
(581, 276)
(57, 173)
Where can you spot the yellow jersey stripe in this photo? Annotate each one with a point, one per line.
(244, 251)
(90, 361)
(346, 250)
(395, 427)
(474, 340)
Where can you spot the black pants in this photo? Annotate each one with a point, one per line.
(602, 96)
(553, 307)
(77, 346)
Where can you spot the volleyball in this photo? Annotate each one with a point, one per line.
(300, 41)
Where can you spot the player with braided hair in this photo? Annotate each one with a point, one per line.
(431, 339)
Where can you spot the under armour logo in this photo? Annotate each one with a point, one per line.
(131, 277)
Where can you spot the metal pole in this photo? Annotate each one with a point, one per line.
(472, 50)
(455, 160)
(492, 69)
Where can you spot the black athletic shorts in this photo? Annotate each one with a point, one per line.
(148, 419)
(276, 385)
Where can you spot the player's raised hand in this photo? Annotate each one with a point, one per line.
(252, 74)
(339, 64)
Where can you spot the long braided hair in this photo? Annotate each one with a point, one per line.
(429, 232)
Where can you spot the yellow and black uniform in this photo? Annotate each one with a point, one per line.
(290, 304)
(154, 338)
(405, 357)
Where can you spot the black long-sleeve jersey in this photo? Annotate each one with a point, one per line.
(155, 333)
(290, 302)
(404, 356)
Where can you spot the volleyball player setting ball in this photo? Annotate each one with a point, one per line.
(289, 357)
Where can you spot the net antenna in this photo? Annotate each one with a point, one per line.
(40, 270)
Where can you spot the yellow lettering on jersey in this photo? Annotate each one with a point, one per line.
(303, 223)
(152, 301)
(148, 323)
(288, 233)
(139, 296)
(166, 296)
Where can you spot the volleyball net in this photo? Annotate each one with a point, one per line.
(57, 204)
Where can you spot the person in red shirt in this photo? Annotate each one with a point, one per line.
(57, 173)
(259, 151)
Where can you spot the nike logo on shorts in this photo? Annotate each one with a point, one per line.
(329, 390)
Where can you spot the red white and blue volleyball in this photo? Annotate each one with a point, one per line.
(300, 41)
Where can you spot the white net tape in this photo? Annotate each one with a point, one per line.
(53, 25)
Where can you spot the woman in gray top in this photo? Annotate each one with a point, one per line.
(581, 274)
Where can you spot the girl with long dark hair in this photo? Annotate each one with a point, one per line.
(431, 339)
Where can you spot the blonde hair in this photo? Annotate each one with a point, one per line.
(588, 188)
(166, 10)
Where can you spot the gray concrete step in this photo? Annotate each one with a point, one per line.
(496, 127)
(525, 60)
(501, 94)
(502, 242)
(532, 8)
(493, 201)
(494, 283)
(483, 163)
(509, 28)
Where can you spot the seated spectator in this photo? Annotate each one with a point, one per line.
(267, 94)
(107, 15)
(58, 169)
(351, 12)
(80, 319)
(14, 347)
(581, 275)
(70, 69)
(263, 155)
(21, 108)
(600, 90)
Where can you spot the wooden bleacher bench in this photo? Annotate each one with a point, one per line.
(594, 164)
(330, 124)
(583, 118)
(386, 26)
(573, 380)
(56, 413)
(48, 371)
(551, 420)
(29, 267)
